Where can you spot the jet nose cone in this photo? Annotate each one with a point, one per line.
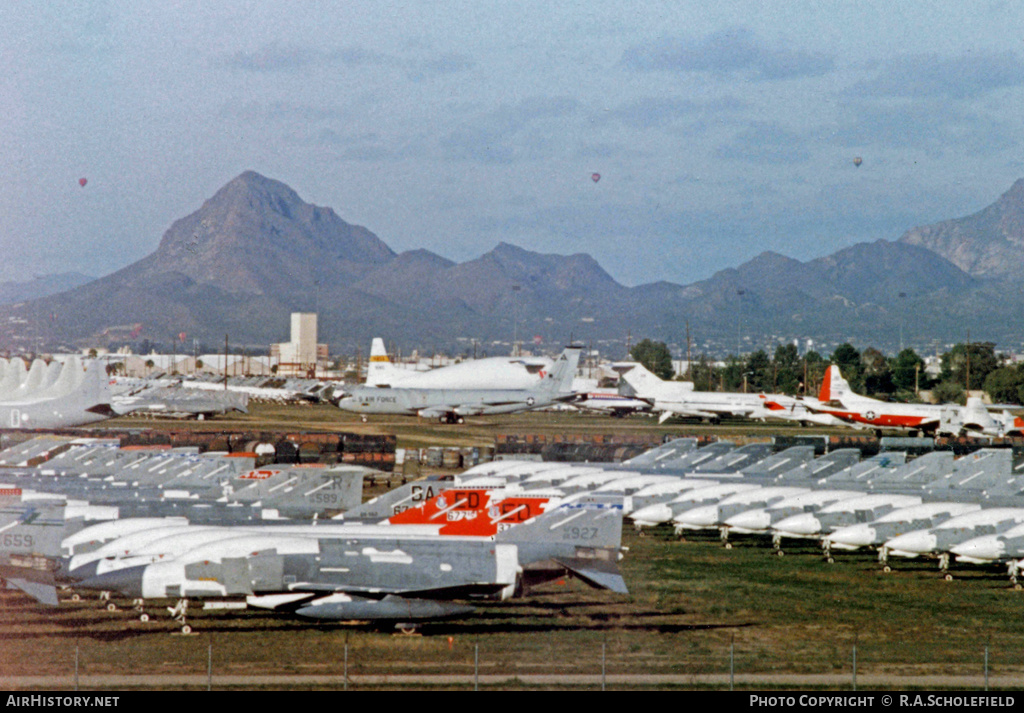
(652, 515)
(126, 581)
(805, 524)
(854, 536)
(750, 520)
(83, 572)
(704, 516)
(989, 547)
(913, 542)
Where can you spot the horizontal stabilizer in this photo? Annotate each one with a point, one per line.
(600, 574)
(42, 593)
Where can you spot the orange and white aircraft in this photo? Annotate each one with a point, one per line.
(838, 399)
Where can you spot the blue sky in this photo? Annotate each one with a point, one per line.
(718, 131)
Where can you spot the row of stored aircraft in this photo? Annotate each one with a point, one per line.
(70, 394)
(511, 384)
(969, 508)
(836, 404)
(429, 559)
(428, 549)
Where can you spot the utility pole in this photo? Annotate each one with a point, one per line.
(689, 368)
(967, 385)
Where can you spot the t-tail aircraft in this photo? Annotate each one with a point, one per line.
(453, 405)
(678, 398)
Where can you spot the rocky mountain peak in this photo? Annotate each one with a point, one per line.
(256, 234)
(986, 244)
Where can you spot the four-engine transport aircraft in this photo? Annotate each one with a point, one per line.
(837, 399)
(74, 397)
(512, 372)
(453, 405)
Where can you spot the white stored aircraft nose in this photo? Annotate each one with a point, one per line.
(855, 535)
(989, 547)
(652, 514)
(704, 516)
(918, 542)
(805, 524)
(750, 520)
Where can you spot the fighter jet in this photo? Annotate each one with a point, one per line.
(839, 514)
(381, 578)
(453, 405)
(895, 523)
(30, 533)
(941, 539)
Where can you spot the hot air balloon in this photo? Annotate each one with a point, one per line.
(858, 161)
(181, 336)
(595, 177)
(82, 182)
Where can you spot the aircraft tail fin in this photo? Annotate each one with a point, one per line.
(30, 537)
(583, 538)
(642, 381)
(591, 522)
(380, 370)
(559, 378)
(833, 387)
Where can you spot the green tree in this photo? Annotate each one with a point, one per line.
(760, 374)
(704, 375)
(730, 377)
(655, 356)
(949, 391)
(1005, 385)
(977, 358)
(788, 370)
(907, 371)
(815, 366)
(847, 358)
(877, 372)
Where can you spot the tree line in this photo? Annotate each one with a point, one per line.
(973, 366)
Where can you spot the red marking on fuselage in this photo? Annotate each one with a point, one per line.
(470, 512)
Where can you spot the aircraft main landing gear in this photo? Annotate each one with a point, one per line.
(178, 613)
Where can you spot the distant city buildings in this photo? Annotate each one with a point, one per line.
(302, 356)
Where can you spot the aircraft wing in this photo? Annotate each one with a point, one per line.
(448, 411)
(498, 404)
(687, 411)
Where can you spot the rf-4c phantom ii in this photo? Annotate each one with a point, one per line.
(335, 576)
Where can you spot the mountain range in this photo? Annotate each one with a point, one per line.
(255, 252)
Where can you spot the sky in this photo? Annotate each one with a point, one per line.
(717, 130)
